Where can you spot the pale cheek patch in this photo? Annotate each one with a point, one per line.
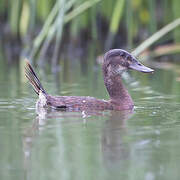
(112, 71)
(121, 69)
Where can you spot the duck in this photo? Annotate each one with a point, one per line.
(115, 62)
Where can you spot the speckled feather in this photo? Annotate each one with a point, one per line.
(78, 103)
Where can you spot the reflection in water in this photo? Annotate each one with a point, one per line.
(114, 147)
(29, 135)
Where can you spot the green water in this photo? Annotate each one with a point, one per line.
(110, 145)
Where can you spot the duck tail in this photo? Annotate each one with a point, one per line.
(33, 79)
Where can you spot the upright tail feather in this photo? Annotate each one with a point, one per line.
(33, 79)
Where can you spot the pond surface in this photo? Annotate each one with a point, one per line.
(144, 144)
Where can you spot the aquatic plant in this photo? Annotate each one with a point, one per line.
(117, 23)
(156, 36)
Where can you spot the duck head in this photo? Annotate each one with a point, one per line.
(116, 61)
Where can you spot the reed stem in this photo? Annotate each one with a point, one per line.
(156, 36)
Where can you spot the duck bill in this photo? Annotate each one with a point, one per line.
(140, 67)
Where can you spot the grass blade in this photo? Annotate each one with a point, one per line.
(156, 36)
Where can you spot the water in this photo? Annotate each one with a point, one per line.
(110, 145)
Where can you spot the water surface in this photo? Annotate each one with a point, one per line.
(143, 144)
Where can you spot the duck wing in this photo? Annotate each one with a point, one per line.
(77, 103)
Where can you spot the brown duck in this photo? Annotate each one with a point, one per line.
(116, 61)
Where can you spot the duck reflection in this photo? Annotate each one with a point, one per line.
(114, 144)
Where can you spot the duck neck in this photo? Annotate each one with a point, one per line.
(117, 91)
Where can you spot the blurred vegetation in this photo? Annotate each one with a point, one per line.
(42, 26)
